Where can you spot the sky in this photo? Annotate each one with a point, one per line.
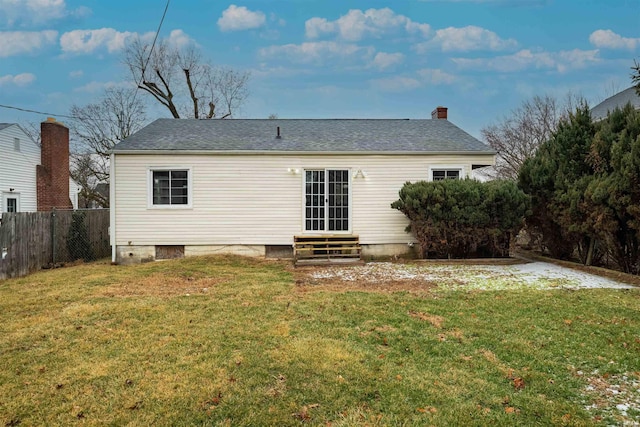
(329, 58)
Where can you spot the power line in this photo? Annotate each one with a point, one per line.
(26, 110)
(153, 45)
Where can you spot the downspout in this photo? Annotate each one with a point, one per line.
(112, 206)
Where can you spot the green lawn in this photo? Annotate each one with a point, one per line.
(234, 341)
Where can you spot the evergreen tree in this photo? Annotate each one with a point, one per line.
(555, 178)
(613, 195)
(78, 243)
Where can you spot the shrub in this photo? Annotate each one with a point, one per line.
(463, 218)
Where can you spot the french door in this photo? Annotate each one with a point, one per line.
(326, 200)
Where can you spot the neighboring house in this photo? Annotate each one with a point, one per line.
(619, 100)
(36, 178)
(250, 186)
(19, 156)
(74, 193)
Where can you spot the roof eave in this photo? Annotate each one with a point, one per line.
(300, 153)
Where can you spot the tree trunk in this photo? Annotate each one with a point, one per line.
(592, 245)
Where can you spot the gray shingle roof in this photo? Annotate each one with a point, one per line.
(5, 125)
(618, 100)
(303, 135)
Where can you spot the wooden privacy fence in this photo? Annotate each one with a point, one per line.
(30, 241)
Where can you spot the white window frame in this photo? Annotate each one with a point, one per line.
(5, 202)
(444, 167)
(152, 169)
(303, 217)
(16, 144)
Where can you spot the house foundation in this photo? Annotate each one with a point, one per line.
(135, 254)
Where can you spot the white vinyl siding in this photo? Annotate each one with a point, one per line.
(259, 199)
(18, 168)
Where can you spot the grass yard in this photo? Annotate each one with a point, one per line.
(232, 341)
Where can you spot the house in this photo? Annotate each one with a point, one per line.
(19, 156)
(251, 186)
(619, 100)
(32, 177)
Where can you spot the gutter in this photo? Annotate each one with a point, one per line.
(303, 153)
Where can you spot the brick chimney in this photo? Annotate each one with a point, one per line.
(53, 171)
(439, 113)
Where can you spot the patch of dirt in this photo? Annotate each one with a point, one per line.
(161, 285)
(614, 398)
(435, 320)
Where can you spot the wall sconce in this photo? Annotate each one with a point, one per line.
(293, 171)
(360, 173)
(11, 190)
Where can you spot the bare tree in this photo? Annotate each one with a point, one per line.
(516, 137)
(83, 166)
(185, 83)
(96, 128)
(33, 130)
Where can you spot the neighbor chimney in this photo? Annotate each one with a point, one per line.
(52, 173)
(439, 113)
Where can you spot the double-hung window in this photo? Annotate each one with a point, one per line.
(170, 187)
(438, 173)
(442, 174)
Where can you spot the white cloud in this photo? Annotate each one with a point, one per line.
(179, 39)
(435, 76)
(88, 41)
(23, 79)
(356, 25)
(264, 71)
(466, 39)
(96, 87)
(75, 74)
(314, 52)
(576, 58)
(610, 40)
(315, 27)
(19, 42)
(31, 12)
(424, 77)
(236, 18)
(523, 59)
(396, 84)
(384, 60)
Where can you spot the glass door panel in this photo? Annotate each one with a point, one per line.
(314, 200)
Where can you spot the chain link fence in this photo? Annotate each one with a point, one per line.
(33, 240)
